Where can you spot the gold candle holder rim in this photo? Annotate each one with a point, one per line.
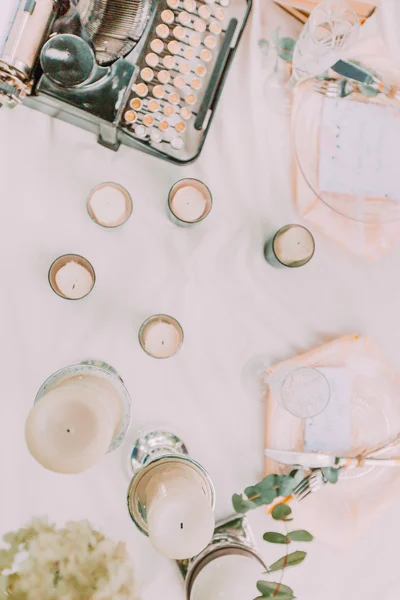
(122, 189)
(173, 190)
(81, 260)
(285, 228)
(160, 316)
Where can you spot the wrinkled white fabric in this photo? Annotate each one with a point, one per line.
(213, 279)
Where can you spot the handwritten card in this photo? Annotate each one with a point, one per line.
(360, 149)
(331, 430)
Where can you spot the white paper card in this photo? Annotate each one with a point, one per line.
(331, 430)
(359, 149)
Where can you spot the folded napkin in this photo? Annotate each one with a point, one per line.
(338, 513)
(369, 240)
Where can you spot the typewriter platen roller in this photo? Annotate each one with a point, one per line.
(144, 73)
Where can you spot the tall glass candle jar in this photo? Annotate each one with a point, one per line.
(171, 497)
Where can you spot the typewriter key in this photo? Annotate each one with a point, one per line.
(173, 98)
(179, 82)
(184, 67)
(148, 120)
(210, 42)
(185, 113)
(194, 41)
(162, 31)
(140, 131)
(184, 18)
(135, 103)
(147, 74)
(204, 12)
(156, 136)
(180, 127)
(195, 84)
(152, 59)
(205, 55)
(163, 76)
(167, 16)
(199, 25)
(141, 89)
(158, 91)
(191, 99)
(168, 61)
(179, 32)
(188, 53)
(174, 47)
(173, 3)
(153, 105)
(215, 27)
(168, 110)
(130, 116)
(200, 70)
(189, 5)
(177, 143)
(157, 45)
(163, 126)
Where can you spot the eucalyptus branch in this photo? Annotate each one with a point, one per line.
(275, 492)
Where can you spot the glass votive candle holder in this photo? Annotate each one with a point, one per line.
(189, 202)
(292, 246)
(161, 336)
(305, 392)
(109, 205)
(72, 277)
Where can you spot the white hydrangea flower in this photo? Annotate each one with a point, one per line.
(73, 563)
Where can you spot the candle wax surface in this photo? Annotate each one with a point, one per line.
(161, 339)
(188, 203)
(109, 206)
(181, 524)
(230, 577)
(293, 245)
(73, 280)
(70, 428)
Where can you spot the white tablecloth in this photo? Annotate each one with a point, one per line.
(213, 279)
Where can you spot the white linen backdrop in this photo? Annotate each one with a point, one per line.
(213, 278)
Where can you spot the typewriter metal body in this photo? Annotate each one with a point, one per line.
(144, 73)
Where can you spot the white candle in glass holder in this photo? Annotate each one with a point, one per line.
(70, 428)
(179, 515)
(72, 277)
(161, 336)
(109, 205)
(228, 577)
(291, 246)
(189, 201)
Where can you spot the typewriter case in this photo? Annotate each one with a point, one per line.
(96, 64)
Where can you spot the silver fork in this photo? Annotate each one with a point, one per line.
(333, 88)
(310, 484)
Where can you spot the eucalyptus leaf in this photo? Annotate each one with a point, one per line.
(290, 560)
(280, 596)
(263, 492)
(275, 538)
(272, 589)
(285, 48)
(331, 474)
(241, 505)
(286, 485)
(301, 535)
(281, 511)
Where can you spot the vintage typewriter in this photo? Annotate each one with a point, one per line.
(144, 73)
